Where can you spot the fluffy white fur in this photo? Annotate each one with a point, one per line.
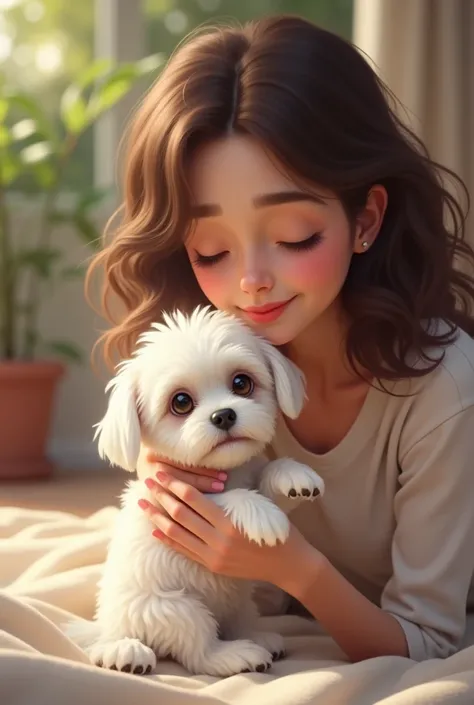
(153, 602)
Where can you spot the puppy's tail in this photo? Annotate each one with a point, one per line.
(82, 632)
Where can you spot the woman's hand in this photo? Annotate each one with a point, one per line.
(203, 479)
(197, 528)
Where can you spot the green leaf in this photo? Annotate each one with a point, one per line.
(120, 81)
(29, 106)
(34, 153)
(45, 174)
(23, 129)
(100, 67)
(5, 136)
(10, 168)
(73, 106)
(65, 349)
(150, 63)
(73, 109)
(113, 89)
(41, 259)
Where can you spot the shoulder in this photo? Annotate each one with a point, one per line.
(442, 395)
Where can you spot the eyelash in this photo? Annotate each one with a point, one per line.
(306, 244)
(300, 246)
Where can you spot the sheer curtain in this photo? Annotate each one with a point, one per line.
(424, 51)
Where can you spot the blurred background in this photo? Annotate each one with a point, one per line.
(54, 53)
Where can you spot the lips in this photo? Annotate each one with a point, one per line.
(268, 312)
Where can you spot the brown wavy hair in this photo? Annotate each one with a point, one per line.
(316, 106)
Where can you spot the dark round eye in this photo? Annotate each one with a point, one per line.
(182, 403)
(242, 385)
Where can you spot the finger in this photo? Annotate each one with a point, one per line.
(204, 483)
(174, 531)
(193, 498)
(154, 458)
(176, 546)
(181, 513)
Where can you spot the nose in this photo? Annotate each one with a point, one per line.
(223, 419)
(256, 278)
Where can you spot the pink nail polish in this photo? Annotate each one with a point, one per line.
(150, 483)
(222, 476)
(158, 534)
(162, 476)
(218, 486)
(143, 504)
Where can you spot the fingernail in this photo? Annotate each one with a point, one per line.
(150, 483)
(143, 504)
(222, 476)
(218, 486)
(162, 476)
(158, 534)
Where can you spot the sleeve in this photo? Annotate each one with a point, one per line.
(433, 543)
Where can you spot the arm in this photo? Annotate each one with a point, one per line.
(360, 628)
(423, 606)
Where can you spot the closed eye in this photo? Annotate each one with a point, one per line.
(306, 244)
(208, 260)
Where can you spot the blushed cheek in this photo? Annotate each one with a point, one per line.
(322, 268)
(212, 285)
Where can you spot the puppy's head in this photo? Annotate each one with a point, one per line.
(200, 390)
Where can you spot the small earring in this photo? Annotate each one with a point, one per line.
(365, 244)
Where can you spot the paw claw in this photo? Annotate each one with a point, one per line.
(278, 655)
(292, 493)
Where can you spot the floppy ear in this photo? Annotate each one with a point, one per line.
(119, 431)
(288, 379)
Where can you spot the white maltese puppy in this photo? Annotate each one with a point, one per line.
(201, 390)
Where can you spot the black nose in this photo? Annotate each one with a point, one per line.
(224, 419)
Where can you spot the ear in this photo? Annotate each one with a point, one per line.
(119, 431)
(288, 379)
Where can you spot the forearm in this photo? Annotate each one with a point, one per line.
(360, 628)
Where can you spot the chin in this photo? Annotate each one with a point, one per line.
(233, 453)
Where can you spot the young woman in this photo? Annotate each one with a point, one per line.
(269, 175)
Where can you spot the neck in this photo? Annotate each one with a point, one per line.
(320, 351)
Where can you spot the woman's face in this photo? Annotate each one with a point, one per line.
(261, 248)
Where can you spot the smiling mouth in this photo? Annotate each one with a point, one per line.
(267, 313)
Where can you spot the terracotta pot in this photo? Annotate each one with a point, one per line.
(27, 391)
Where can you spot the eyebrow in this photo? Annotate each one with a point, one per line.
(277, 198)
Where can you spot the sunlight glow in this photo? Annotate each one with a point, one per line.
(49, 57)
(6, 44)
(34, 11)
(8, 4)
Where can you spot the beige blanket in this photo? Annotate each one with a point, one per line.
(49, 566)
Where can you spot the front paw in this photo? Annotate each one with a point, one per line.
(294, 480)
(127, 655)
(255, 516)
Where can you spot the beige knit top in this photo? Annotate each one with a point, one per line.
(397, 517)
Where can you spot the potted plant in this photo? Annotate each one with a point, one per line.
(34, 150)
